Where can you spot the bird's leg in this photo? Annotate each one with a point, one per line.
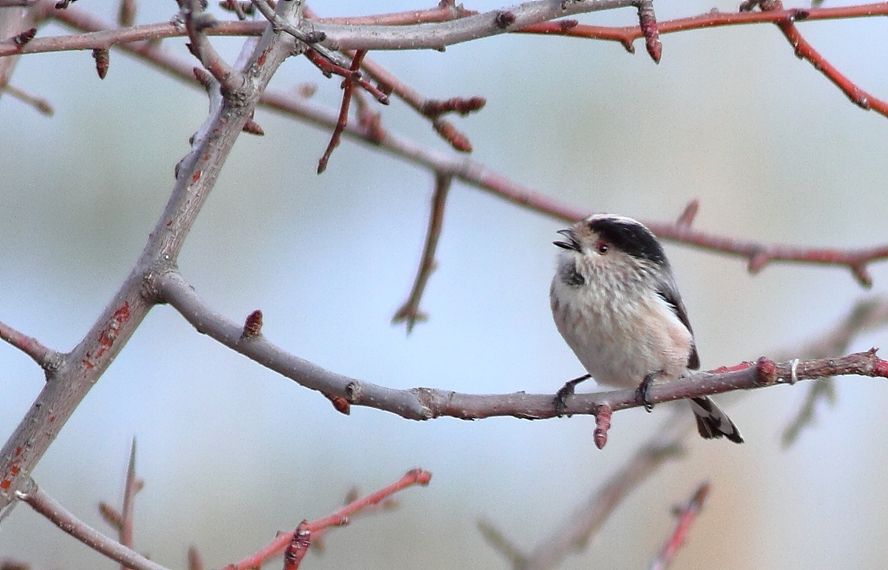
(565, 391)
(643, 392)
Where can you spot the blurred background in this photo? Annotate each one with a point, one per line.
(231, 452)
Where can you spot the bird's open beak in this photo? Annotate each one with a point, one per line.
(570, 243)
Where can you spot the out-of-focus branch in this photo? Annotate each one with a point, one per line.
(428, 403)
(38, 103)
(686, 517)
(866, 315)
(306, 531)
(582, 525)
(409, 311)
(58, 515)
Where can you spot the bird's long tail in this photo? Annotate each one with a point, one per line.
(712, 421)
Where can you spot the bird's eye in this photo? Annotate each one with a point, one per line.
(601, 247)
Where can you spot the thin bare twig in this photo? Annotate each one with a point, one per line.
(58, 515)
(758, 254)
(686, 517)
(409, 311)
(46, 358)
(348, 85)
(866, 315)
(197, 21)
(338, 518)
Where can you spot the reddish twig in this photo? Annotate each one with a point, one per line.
(772, 12)
(647, 24)
(347, 87)
(195, 560)
(804, 50)
(58, 515)
(196, 23)
(583, 524)
(338, 518)
(47, 358)
(686, 517)
(409, 311)
(758, 254)
(626, 35)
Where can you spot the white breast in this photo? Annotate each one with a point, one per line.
(618, 339)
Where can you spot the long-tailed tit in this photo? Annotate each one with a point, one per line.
(615, 302)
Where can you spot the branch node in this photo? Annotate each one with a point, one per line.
(766, 371)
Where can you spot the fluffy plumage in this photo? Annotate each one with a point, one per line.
(615, 302)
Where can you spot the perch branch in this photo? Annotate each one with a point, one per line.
(581, 526)
(428, 403)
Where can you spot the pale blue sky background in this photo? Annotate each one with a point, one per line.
(231, 452)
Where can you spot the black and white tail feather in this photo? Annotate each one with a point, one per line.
(712, 422)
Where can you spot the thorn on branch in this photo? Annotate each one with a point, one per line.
(253, 324)
(23, 38)
(449, 133)
(862, 275)
(63, 4)
(251, 127)
(103, 60)
(647, 21)
(690, 212)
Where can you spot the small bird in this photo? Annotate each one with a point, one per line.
(615, 302)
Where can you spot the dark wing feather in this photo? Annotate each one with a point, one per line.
(669, 293)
